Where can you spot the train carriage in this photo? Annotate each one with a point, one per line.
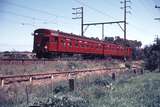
(51, 43)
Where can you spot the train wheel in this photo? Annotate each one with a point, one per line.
(39, 55)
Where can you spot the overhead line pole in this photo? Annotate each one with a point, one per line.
(124, 19)
(79, 11)
(82, 21)
(158, 43)
(125, 15)
(102, 31)
(102, 23)
(158, 8)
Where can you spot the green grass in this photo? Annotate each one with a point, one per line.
(129, 90)
(140, 91)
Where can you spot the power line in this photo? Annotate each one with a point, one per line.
(158, 7)
(142, 30)
(96, 10)
(20, 23)
(148, 7)
(33, 9)
(27, 17)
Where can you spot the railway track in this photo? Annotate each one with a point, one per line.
(9, 79)
(22, 61)
(39, 61)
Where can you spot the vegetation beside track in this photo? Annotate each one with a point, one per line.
(128, 90)
(49, 66)
(136, 91)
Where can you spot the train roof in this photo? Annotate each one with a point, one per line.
(74, 35)
(67, 34)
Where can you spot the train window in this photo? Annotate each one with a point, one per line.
(87, 46)
(80, 41)
(97, 46)
(113, 47)
(76, 43)
(108, 47)
(56, 40)
(100, 46)
(90, 45)
(82, 45)
(70, 44)
(121, 49)
(63, 42)
(51, 39)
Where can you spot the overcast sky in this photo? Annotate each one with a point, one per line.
(19, 19)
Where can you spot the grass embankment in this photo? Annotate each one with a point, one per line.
(140, 91)
(127, 91)
(55, 66)
(136, 91)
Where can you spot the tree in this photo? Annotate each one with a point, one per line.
(152, 56)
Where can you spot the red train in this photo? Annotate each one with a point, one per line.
(48, 43)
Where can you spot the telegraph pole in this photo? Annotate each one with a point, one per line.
(125, 19)
(125, 15)
(79, 15)
(158, 8)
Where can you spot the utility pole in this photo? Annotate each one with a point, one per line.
(103, 23)
(157, 40)
(79, 15)
(125, 15)
(158, 8)
(125, 19)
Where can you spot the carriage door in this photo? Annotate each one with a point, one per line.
(55, 43)
(44, 42)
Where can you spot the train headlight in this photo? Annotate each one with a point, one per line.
(46, 47)
(35, 33)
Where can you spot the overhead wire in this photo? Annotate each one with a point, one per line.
(94, 9)
(20, 23)
(33, 9)
(44, 21)
(131, 24)
(28, 17)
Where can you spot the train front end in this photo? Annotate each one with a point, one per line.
(41, 39)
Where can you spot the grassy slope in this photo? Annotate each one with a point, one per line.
(140, 91)
(54, 66)
(137, 91)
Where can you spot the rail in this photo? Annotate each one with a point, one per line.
(7, 79)
(41, 61)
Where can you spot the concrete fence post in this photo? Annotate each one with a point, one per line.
(134, 70)
(2, 82)
(71, 83)
(52, 77)
(142, 71)
(113, 76)
(30, 79)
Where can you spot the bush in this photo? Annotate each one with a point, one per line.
(65, 101)
(152, 56)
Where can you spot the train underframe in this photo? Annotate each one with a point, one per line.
(52, 55)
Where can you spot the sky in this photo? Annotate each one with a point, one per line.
(19, 19)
